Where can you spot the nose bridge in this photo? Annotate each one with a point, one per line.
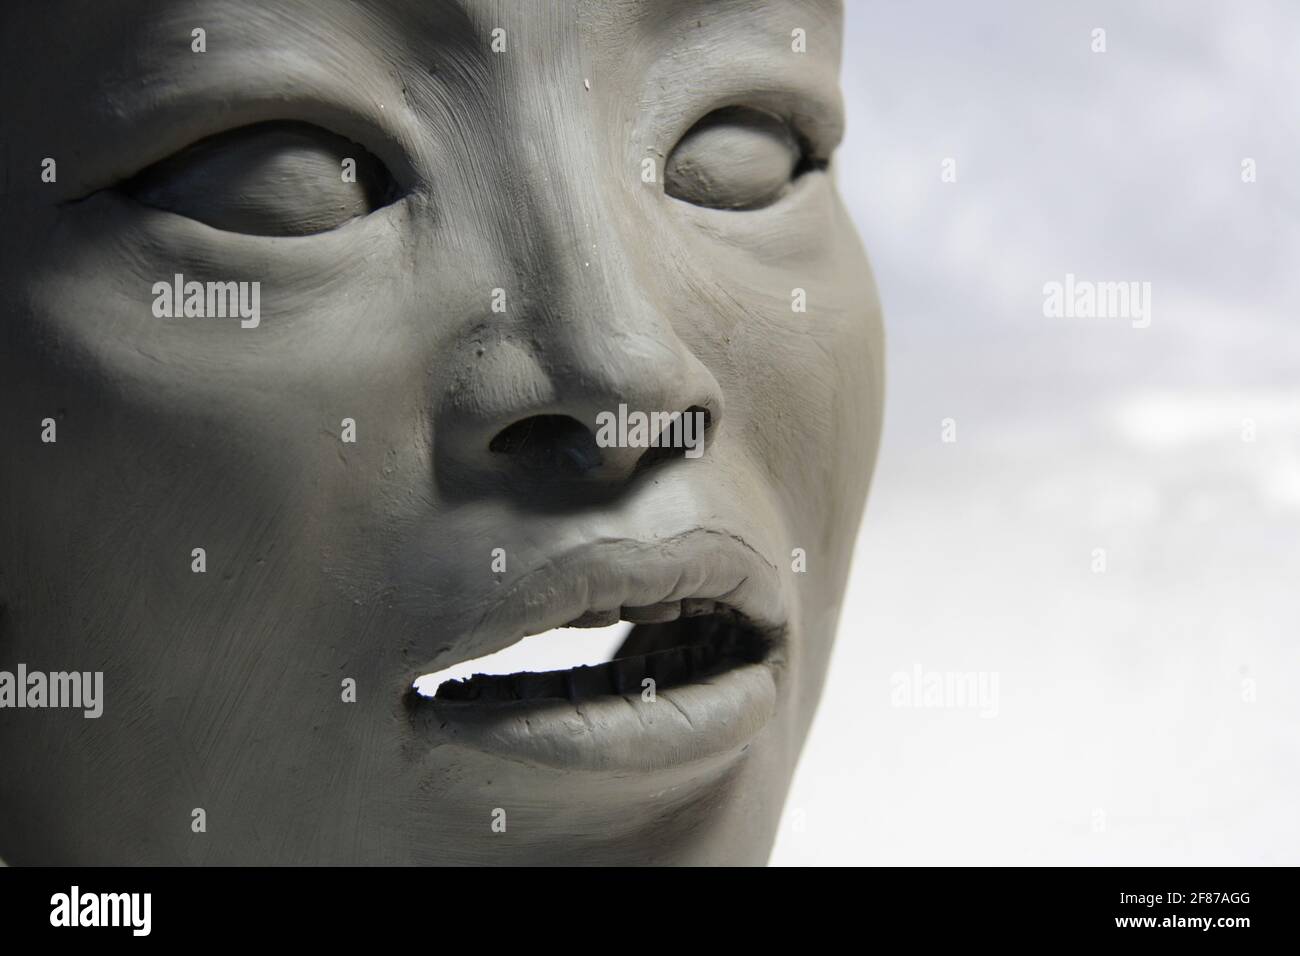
(586, 224)
(605, 333)
(601, 332)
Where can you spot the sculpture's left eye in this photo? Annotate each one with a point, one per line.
(735, 158)
(269, 179)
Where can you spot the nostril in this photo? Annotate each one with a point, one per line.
(670, 440)
(546, 442)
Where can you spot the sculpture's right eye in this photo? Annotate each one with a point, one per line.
(269, 179)
(736, 158)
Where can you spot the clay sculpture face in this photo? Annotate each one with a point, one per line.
(310, 330)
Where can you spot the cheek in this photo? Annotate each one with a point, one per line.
(797, 346)
(182, 433)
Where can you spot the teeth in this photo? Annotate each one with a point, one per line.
(708, 638)
(653, 613)
(717, 647)
(660, 613)
(595, 619)
(555, 650)
(694, 607)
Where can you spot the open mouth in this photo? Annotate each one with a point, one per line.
(629, 651)
(536, 671)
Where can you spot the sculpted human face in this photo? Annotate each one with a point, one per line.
(389, 457)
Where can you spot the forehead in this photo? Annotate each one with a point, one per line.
(144, 42)
(413, 24)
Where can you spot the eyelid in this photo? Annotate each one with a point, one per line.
(737, 158)
(815, 116)
(272, 179)
(135, 137)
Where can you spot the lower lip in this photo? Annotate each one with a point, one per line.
(680, 725)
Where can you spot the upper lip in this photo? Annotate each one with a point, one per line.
(614, 572)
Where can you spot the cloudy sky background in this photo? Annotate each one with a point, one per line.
(1124, 729)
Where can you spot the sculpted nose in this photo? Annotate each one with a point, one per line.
(584, 374)
(589, 393)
